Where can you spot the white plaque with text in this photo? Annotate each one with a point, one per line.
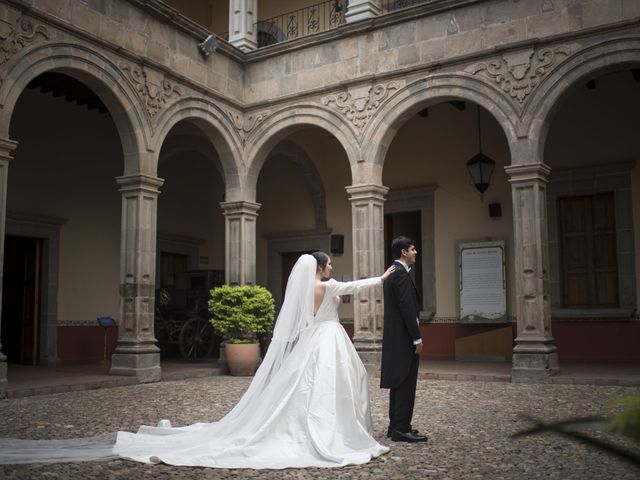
(483, 294)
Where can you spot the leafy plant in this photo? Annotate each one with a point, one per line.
(239, 313)
(626, 422)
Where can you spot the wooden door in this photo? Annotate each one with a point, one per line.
(170, 264)
(21, 298)
(588, 249)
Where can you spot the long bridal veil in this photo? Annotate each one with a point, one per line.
(295, 315)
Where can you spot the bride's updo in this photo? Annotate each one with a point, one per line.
(321, 258)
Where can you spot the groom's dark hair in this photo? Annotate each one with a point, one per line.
(401, 243)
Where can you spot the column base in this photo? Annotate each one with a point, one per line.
(145, 366)
(534, 367)
(4, 384)
(370, 352)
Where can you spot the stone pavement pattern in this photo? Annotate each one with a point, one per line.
(468, 424)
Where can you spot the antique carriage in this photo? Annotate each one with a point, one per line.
(182, 317)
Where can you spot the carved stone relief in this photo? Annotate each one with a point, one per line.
(18, 35)
(519, 73)
(247, 122)
(153, 87)
(359, 108)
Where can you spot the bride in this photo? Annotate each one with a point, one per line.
(307, 406)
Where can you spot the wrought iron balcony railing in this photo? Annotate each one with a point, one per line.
(314, 19)
(300, 23)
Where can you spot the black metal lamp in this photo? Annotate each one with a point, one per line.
(480, 166)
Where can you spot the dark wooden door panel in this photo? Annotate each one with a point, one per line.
(588, 251)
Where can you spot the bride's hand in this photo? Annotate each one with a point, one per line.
(389, 271)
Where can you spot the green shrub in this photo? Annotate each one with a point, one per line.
(239, 313)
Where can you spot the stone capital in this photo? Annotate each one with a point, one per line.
(7, 147)
(139, 182)
(367, 192)
(531, 172)
(242, 207)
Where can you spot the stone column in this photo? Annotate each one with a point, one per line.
(240, 242)
(367, 217)
(361, 9)
(136, 353)
(6, 147)
(243, 15)
(535, 356)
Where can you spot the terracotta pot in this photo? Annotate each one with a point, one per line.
(242, 358)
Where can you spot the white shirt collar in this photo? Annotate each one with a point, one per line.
(406, 267)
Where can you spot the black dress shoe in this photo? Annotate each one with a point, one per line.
(410, 437)
(389, 430)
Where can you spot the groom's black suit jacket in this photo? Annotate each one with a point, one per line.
(401, 309)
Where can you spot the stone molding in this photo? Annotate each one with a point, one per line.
(19, 35)
(358, 109)
(154, 88)
(518, 73)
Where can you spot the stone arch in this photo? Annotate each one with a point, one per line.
(218, 129)
(427, 91)
(276, 127)
(96, 71)
(585, 65)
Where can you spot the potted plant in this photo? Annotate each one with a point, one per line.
(239, 314)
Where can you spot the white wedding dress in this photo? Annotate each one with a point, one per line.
(307, 406)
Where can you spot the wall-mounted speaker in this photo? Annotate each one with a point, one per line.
(337, 244)
(495, 210)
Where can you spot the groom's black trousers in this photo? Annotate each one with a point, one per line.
(402, 398)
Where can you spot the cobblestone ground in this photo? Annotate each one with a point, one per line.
(468, 423)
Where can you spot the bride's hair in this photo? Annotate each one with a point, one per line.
(321, 258)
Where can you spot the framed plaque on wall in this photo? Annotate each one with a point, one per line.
(483, 288)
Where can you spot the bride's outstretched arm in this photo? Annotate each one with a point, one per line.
(348, 288)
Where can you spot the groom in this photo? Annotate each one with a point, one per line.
(401, 342)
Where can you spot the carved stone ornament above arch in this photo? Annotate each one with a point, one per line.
(359, 104)
(245, 123)
(19, 35)
(155, 90)
(519, 73)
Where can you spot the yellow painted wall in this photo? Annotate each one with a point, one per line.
(434, 150)
(65, 166)
(189, 204)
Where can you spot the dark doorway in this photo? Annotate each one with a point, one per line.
(407, 224)
(21, 299)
